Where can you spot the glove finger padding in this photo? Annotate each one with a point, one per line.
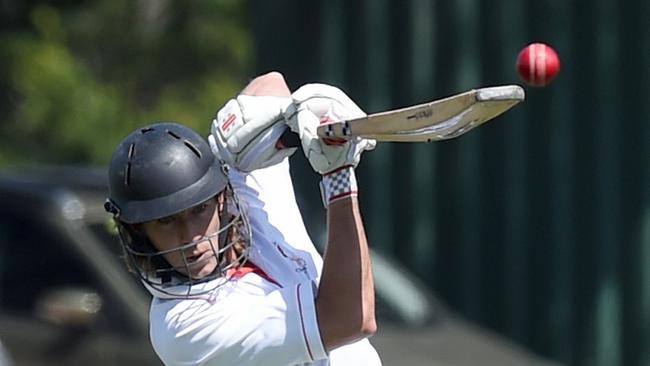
(315, 104)
(246, 130)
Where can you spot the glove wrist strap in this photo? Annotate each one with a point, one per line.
(338, 184)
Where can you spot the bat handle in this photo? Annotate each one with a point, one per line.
(324, 131)
(336, 131)
(329, 131)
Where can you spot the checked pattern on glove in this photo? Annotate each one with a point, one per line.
(338, 184)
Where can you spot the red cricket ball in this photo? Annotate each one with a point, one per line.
(538, 64)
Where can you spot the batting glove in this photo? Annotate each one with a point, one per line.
(316, 104)
(246, 131)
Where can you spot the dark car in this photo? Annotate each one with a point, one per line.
(67, 299)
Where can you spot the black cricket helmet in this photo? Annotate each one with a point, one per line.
(158, 171)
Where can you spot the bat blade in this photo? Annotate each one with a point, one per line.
(434, 121)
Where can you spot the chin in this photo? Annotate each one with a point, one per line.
(203, 271)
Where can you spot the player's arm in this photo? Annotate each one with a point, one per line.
(270, 84)
(345, 303)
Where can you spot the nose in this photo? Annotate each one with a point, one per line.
(190, 231)
(205, 245)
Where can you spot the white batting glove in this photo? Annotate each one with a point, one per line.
(246, 130)
(314, 104)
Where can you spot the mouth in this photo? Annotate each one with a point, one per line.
(201, 265)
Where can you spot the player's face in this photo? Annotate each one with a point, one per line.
(193, 229)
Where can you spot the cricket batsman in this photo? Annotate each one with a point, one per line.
(213, 231)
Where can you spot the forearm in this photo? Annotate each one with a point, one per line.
(269, 84)
(345, 300)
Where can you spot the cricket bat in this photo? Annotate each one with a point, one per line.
(434, 121)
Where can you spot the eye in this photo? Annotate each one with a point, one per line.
(199, 209)
(165, 220)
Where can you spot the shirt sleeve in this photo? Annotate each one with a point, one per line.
(269, 193)
(271, 189)
(244, 328)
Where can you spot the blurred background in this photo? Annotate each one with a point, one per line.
(534, 227)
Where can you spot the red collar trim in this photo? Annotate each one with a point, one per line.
(249, 267)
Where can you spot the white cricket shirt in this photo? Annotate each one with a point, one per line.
(267, 316)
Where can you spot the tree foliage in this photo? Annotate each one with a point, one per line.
(79, 76)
